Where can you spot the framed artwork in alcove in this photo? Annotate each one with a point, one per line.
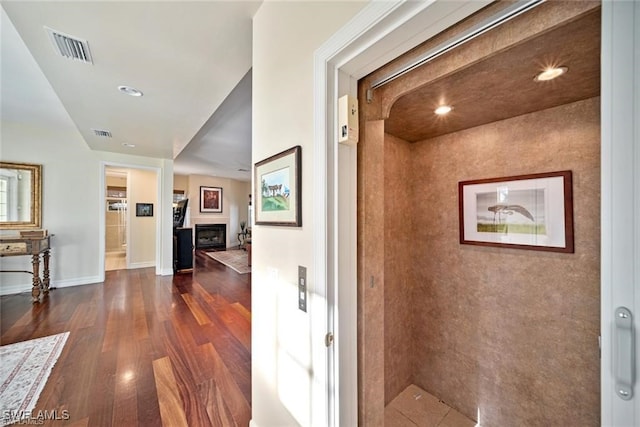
(523, 212)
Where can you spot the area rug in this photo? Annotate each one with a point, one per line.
(24, 370)
(235, 259)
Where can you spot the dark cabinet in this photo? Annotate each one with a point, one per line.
(182, 249)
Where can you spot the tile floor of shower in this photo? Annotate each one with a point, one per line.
(415, 407)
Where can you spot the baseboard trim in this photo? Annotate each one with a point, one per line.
(75, 282)
(166, 272)
(15, 289)
(26, 287)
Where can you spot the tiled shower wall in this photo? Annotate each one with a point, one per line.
(511, 335)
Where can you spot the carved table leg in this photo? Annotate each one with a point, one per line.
(35, 291)
(45, 282)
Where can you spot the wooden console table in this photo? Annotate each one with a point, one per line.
(34, 246)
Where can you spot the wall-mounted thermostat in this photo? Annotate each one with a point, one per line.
(348, 120)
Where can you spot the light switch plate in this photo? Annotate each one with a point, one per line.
(348, 120)
(302, 288)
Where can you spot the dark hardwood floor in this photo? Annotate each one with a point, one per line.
(145, 349)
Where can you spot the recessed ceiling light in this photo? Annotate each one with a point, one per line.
(443, 109)
(130, 90)
(124, 144)
(551, 73)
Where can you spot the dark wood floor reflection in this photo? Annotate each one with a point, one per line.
(144, 349)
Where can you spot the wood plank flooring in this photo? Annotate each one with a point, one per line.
(145, 350)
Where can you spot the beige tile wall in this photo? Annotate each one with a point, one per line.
(399, 226)
(511, 333)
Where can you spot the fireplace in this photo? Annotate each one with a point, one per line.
(211, 236)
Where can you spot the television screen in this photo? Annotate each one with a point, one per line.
(179, 211)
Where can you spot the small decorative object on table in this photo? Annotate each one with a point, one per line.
(244, 234)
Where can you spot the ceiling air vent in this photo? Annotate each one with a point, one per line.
(102, 133)
(69, 46)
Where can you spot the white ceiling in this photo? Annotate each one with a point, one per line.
(186, 57)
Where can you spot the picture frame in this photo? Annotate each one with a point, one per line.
(210, 199)
(524, 212)
(277, 193)
(144, 209)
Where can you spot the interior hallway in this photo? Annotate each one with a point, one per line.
(145, 349)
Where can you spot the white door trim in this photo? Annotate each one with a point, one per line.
(380, 32)
(620, 199)
(347, 51)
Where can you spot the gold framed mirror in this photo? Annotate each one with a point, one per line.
(20, 195)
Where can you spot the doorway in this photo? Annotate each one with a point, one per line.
(130, 220)
(619, 68)
(471, 325)
(116, 219)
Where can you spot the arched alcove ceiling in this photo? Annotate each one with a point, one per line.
(502, 85)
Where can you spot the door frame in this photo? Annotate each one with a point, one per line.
(381, 32)
(102, 184)
(369, 41)
(620, 204)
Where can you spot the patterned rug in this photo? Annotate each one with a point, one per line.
(235, 259)
(24, 370)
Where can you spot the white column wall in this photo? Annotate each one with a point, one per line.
(288, 375)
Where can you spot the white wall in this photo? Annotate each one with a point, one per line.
(71, 197)
(142, 231)
(69, 204)
(286, 389)
(72, 181)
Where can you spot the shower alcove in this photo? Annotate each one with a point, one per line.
(503, 336)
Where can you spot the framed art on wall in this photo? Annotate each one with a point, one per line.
(524, 212)
(144, 209)
(278, 181)
(210, 199)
